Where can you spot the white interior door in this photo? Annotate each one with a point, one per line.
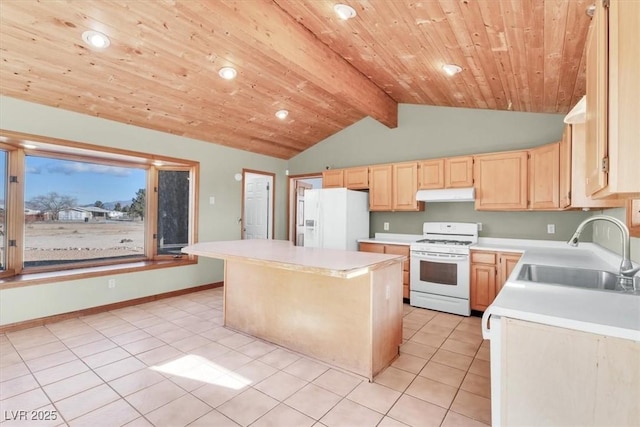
(301, 187)
(258, 206)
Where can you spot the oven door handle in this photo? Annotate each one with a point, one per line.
(441, 258)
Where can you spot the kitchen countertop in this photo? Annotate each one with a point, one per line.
(392, 239)
(283, 254)
(596, 311)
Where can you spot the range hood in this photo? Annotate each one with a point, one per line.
(446, 195)
(578, 113)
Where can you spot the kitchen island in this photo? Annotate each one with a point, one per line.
(563, 355)
(340, 307)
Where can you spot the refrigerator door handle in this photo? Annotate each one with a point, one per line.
(486, 327)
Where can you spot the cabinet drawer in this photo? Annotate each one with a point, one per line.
(371, 247)
(483, 257)
(397, 250)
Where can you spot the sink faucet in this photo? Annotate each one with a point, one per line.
(626, 267)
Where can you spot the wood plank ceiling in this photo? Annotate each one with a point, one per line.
(161, 70)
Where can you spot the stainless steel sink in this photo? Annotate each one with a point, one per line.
(580, 277)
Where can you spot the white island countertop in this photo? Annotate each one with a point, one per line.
(283, 254)
(590, 310)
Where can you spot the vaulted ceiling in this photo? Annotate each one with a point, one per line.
(161, 69)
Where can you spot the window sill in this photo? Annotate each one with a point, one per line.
(85, 273)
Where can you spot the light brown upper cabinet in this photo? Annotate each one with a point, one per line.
(333, 178)
(536, 179)
(405, 187)
(565, 168)
(574, 136)
(353, 178)
(380, 188)
(357, 178)
(544, 177)
(501, 181)
(450, 172)
(613, 104)
(393, 187)
(431, 174)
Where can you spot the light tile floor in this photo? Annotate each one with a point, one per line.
(171, 363)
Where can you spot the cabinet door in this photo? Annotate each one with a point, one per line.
(458, 172)
(405, 186)
(381, 188)
(402, 250)
(356, 178)
(399, 250)
(596, 115)
(333, 178)
(507, 262)
(579, 198)
(559, 376)
(623, 114)
(544, 177)
(565, 168)
(501, 181)
(431, 174)
(483, 286)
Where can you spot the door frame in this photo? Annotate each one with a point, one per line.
(292, 208)
(271, 195)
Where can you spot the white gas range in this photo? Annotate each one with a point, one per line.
(440, 267)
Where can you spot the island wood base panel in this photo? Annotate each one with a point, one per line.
(352, 323)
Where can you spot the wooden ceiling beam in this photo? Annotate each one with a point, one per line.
(296, 48)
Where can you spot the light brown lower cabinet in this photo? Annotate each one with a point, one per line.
(394, 250)
(489, 272)
(556, 376)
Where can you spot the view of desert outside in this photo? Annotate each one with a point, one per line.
(52, 242)
(81, 211)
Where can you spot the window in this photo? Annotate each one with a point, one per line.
(173, 211)
(69, 205)
(3, 216)
(78, 211)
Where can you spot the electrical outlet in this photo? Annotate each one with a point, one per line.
(479, 226)
(551, 229)
(386, 226)
(212, 200)
(112, 283)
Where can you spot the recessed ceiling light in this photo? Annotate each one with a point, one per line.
(282, 114)
(96, 39)
(228, 73)
(451, 69)
(591, 10)
(344, 12)
(29, 146)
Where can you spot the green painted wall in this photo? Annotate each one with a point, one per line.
(218, 165)
(608, 235)
(425, 132)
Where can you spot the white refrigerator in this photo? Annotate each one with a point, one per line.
(335, 218)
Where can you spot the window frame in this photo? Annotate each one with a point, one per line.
(17, 275)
